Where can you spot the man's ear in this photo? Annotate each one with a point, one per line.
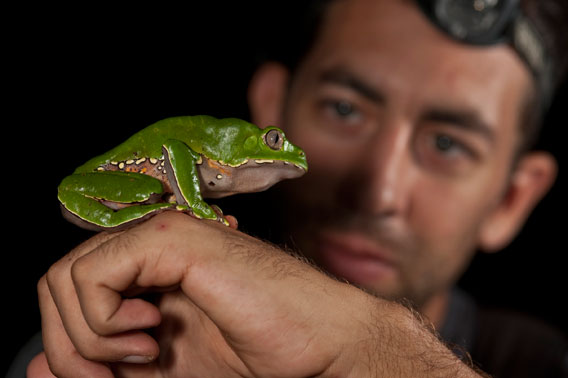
(267, 93)
(533, 177)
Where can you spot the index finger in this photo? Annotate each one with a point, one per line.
(142, 257)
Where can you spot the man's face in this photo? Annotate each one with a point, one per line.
(410, 139)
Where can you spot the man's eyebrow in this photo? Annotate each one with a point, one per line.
(464, 119)
(344, 78)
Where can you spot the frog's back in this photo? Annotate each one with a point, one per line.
(147, 143)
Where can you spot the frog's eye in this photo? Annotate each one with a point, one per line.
(274, 139)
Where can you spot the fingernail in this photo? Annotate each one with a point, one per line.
(137, 359)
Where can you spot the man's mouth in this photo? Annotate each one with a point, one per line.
(356, 258)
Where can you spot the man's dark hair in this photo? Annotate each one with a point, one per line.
(550, 17)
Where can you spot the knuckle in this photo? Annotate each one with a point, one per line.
(79, 270)
(53, 275)
(87, 351)
(59, 269)
(42, 287)
(99, 326)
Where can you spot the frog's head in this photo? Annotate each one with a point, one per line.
(271, 144)
(257, 159)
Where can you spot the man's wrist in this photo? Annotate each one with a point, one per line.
(392, 340)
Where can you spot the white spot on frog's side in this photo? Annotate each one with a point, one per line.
(199, 161)
(121, 165)
(129, 162)
(238, 164)
(114, 162)
(153, 160)
(263, 161)
(219, 176)
(140, 161)
(100, 169)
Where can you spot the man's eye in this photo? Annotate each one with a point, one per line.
(343, 117)
(446, 153)
(444, 143)
(343, 108)
(450, 146)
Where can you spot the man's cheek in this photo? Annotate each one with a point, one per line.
(304, 190)
(446, 234)
(329, 161)
(447, 246)
(441, 214)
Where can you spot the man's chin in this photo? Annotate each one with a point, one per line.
(352, 248)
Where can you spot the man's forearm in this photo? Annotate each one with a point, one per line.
(395, 341)
(381, 338)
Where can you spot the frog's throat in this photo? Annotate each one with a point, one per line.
(220, 180)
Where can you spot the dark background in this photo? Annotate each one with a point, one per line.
(79, 81)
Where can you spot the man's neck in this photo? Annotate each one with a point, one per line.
(436, 308)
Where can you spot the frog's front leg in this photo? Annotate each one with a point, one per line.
(82, 196)
(183, 176)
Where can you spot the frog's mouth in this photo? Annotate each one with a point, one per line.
(219, 180)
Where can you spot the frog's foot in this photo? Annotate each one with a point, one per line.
(219, 214)
(183, 176)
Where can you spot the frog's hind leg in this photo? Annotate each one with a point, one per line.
(184, 179)
(82, 197)
(111, 220)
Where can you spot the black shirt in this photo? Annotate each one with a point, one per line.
(504, 343)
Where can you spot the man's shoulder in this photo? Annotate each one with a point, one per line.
(508, 341)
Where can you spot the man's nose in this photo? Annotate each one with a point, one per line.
(388, 171)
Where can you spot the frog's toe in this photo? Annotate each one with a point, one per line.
(187, 210)
(217, 214)
(220, 217)
(217, 210)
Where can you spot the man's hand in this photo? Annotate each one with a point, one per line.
(233, 306)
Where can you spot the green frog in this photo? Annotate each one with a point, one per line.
(172, 165)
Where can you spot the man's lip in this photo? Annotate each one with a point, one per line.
(357, 245)
(356, 258)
